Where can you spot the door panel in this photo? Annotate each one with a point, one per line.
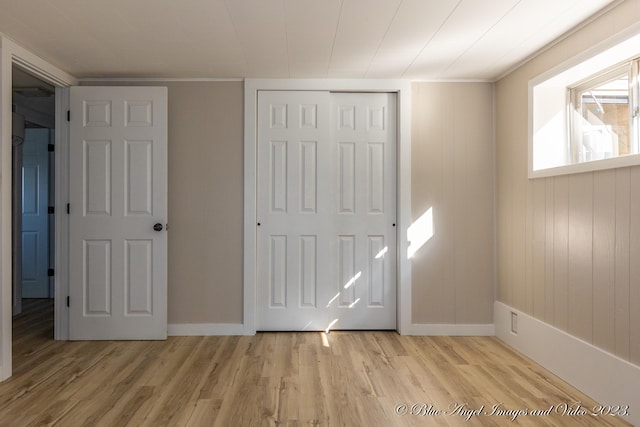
(138, 178)
(35, 216)
(326, 211)
(138, 277)
(118, 175)
(97, 277)
(365, 215)
(96, 163)
(293, 199)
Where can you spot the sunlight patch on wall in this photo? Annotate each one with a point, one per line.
(420, 232)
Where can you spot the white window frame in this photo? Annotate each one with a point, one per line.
(550, 151)
(575, 107)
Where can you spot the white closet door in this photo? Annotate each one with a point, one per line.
(363, 135)
(294, 210)
(326, 211)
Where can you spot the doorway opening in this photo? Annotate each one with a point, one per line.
(33, 179)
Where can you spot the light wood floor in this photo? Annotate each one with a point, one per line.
(294, 379)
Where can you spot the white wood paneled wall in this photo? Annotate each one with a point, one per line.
(452, 173)
(570, 255)
(568, 247)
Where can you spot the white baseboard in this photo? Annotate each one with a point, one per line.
(606, 378)
(205, 329)
(454, 330)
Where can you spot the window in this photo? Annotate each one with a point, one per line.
(586, 117)
(601, 117)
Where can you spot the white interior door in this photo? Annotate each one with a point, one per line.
(35, 216)
(326, 211)
(118, 213)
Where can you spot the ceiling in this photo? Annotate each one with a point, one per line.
(413, 39)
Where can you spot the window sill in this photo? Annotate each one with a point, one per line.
(596, 165)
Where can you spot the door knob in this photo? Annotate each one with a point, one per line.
(157, 227)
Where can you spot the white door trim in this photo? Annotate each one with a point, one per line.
(11, 53)
(403, 182)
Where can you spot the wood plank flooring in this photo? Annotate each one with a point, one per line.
(285, 379)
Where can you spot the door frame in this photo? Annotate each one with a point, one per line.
(13, 54)
(402, 88)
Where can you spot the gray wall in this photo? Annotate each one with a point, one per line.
(205, 202)
(452, 172)
(568, 246)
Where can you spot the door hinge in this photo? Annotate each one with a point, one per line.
(68, 300)
(68, 208)
(51, 148)
(50, 272)
(68, 115)
(51, 210)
